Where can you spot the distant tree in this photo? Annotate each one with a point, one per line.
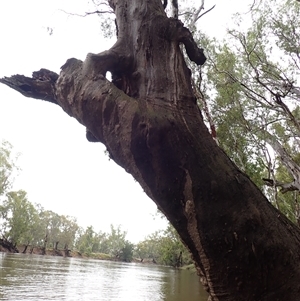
(113, 243)
(171, 250)
(140, 250)
(151, 244)
(163, 247)
(7, 167)
(101, 244)
(86, 241)
(18, 214)
(46, 228)
(31, 236)
(68, 231)
(126, 253)
(54, 228)
(116, 240)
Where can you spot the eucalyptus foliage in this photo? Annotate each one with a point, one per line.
(249, 92)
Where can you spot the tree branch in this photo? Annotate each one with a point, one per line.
(98, 12)
(285, 187)
(194, 53)
(290, 164)
(40, 86)
(205, 13)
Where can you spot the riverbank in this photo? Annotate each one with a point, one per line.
(6, 247)
(52, 252)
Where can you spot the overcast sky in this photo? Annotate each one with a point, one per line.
(61, 170)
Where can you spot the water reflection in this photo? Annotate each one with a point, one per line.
(33, 277)
(182, 285)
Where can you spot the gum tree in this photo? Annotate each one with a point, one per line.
(147, 117)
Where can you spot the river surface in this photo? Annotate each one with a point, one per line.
(34, 277)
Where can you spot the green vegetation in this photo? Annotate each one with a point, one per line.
(249, 94)
(163, 247)
(27, 226)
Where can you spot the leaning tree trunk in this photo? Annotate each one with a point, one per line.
(147, 117)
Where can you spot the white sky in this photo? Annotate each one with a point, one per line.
(61, 170)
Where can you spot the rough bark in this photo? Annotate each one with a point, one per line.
(147, 117)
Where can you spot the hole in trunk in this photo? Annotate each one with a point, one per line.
(108, 76)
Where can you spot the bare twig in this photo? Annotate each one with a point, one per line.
(197, 14)
(198, 11)
(205, 12)
(89, 13)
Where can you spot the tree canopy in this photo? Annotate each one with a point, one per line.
(254, 74)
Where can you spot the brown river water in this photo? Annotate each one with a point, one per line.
(34, 277)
